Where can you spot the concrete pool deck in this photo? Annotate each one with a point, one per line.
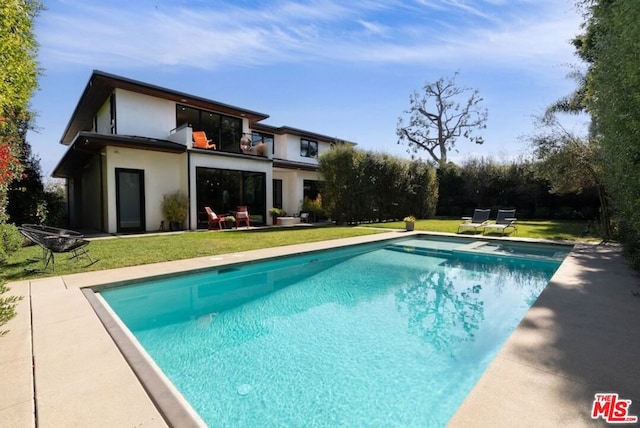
(60, 367)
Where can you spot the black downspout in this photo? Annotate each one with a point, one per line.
(102, 225)
(189, 186)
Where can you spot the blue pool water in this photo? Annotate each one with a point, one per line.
(391, 334)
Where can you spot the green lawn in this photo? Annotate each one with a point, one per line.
(540, 229)
(135, 250)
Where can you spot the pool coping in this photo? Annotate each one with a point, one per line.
(57, 334)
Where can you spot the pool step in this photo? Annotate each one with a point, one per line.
(421, 251)
(472, 246)
(473, 251)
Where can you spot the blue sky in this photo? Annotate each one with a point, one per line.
(338, 68)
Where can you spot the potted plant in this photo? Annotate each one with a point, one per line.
(409, 223)
(275, 213)
(175, 208)
(230, 220)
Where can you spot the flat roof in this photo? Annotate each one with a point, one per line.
(101, 86)
(88, 144)
(281, 130)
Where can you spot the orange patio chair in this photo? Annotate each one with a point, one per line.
(214, 219)
(200, 141)
(242, 216)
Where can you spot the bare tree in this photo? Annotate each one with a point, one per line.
(438, 116)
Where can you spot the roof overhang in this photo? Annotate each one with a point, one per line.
(101, 85)
(285, 164)
(88, 144)
(282, 130)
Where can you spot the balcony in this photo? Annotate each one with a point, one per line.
(244, 146)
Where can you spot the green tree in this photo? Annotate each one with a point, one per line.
(339, 168)
(54, 202)
(366, 186)
(26, 197)
(571, 164)
(439, 116)
(10, 241)
(609, 46)
(18, 80)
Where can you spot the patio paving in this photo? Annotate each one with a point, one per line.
(59, 365)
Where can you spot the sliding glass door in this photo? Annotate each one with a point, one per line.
(224, 190)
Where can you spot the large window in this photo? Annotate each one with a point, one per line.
(224, 190)
(308, 148)
(225, 131)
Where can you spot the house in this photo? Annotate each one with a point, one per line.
(131, 142)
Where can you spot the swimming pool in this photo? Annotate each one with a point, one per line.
(393, 333)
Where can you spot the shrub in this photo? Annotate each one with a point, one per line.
(10, 240)
(175, 206)
(7, 307)
(313, 206)
(364, 186)
(542, 213)
(55, 204)
(276, 212)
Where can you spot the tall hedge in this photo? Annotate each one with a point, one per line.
(362, 186)
(611, 45)
(485, 183)
(18, 80)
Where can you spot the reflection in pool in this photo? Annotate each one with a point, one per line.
(375, 335)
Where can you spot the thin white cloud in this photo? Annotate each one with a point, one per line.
(464, 6)
(372, 27)
(319, 30)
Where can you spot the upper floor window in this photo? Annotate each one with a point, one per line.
(308, 148)
(224, 131)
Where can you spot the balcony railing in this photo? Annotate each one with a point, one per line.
(183, 135)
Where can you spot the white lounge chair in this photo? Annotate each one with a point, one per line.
(480, 219)
(504, 220)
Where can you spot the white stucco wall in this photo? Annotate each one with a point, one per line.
(280, 146)
(145, 116)
(293, 187)
(163, 173)
(323, 147)
(288, 147)
(103, 119)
